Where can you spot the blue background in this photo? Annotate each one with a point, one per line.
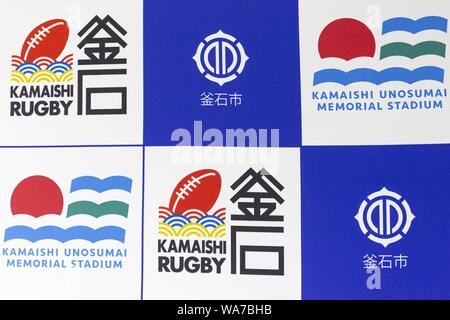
(334, 183)
(268, 30)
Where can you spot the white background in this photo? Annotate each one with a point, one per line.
(62, 165)
(18, 20)
(371, 128)
(165, 167)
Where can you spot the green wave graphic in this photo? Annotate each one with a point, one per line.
(407, 50)
(98, 210)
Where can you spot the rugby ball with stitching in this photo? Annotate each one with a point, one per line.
(46, 40)
(199, 191)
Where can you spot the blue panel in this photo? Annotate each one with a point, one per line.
(269, 83)
(335, 181)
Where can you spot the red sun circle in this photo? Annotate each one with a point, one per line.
(37, 196)
(346, 39)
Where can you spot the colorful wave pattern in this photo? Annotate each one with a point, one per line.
(43, 69)
(397, 49)
(192, 223)
(87, 208)
(91, 183)
(407, 50)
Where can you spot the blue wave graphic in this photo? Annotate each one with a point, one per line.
(99, 185)
(28, 68)
(61, 235)
(379, 77)
(211, 221)
(415, 26)
(177, 220)
(59, 67)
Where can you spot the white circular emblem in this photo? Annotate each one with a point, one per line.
(220, 58)
(384, 217)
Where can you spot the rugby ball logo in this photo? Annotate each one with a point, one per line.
(40, 59)
(198, 191)
(46, 40)
(190, 211)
